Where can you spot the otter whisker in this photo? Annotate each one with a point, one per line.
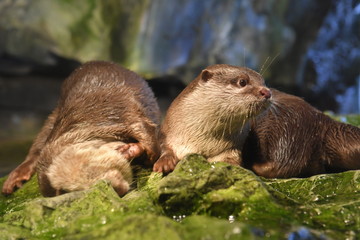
(262, 67)
(271, 62)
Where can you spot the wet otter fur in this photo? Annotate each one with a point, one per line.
(101, 103)
(293, 139)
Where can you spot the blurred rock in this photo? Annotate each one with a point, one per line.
(151, 37)
(179, 38)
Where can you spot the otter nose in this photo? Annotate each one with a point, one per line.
(266, 93)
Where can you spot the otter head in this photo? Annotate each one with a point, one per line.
(235, 93)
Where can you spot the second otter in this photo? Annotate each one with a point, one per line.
(293, 139)
(102, 106)
(211, 115)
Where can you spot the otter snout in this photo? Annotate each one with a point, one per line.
(265, 92)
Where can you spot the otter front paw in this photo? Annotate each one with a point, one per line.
(16, 179)
(165, 163)
(131, 150)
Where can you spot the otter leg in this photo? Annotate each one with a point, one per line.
(45, 187)
(231, 156)
(59, 192)
(131, 150)
(120, 185)
(265, 169)
(27, 168)
(167, 161)
(147, 135)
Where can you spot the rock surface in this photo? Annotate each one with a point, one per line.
(199, 200)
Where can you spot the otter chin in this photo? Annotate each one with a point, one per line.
(211, 116)
(293, 139)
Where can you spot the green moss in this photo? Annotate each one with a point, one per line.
(329, 201)
(350, 119)
(15, 201)
(353, 120)
(202, 227)
(199, 200)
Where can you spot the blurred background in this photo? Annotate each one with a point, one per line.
(310, 48)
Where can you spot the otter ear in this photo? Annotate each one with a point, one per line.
(206, 75)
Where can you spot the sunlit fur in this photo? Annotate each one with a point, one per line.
(210, 117)
(81, 165)
(222, 127)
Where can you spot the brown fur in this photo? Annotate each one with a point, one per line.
(293, 139)
(210, 116)
(81, 165)
(98, 101)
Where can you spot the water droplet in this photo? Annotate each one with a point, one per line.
(348, 222)
(315, 198)
(179, 218)
(231, 219)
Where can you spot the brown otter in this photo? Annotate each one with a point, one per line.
(210, 116)
(293, 139)
(102, 103)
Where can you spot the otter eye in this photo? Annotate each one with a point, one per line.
(242, 82)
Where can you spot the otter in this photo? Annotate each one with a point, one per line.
(293, 139)
(211, 116)
(102, 106)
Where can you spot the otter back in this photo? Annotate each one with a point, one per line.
(99, 102)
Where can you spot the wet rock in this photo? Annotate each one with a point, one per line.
(198, 200)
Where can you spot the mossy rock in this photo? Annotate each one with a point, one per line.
(199, 200)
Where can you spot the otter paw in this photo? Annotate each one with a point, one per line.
(14, 181)
(165, 164)
(131, 150)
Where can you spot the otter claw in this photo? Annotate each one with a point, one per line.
(131, 150)
(165, 164)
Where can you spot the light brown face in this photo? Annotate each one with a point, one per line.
(236, 90)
